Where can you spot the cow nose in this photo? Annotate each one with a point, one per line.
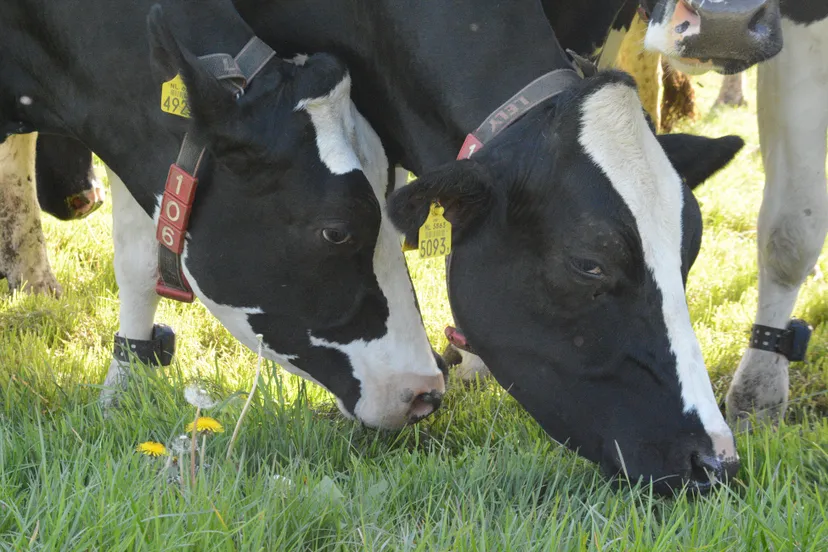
(424, 404)
(707, 470)
(747, 30)
(85, 203)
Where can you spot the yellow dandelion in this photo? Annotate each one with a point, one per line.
(152, 448)
(206, 424)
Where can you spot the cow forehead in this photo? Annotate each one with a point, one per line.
(616, 137)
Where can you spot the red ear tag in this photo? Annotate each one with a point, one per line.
(470, 146)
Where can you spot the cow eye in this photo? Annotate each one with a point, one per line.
(336, 236)
(588, 268)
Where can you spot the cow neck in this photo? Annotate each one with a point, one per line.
(423, 79)
(474, 92)
(235, 73)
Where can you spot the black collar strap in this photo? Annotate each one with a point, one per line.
(179, 191)
(792, 342)
(541, 89)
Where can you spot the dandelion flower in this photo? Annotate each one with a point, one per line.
(205, 424)
(199, 397)
(151, 448)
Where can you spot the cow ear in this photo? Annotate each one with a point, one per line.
(208, 99)
(463, 188)
(697, 158)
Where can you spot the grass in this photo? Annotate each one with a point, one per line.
(480, 475)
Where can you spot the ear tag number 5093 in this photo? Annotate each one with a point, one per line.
(435, 234)
(174, 97)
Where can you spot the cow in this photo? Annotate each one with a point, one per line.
(585, 323)
(288, 236)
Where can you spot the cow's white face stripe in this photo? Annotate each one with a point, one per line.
(346, 142)
(615, 135)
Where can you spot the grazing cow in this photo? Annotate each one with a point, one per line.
(287, 234)
(583, 316)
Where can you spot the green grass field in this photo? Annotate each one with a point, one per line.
(480, 475)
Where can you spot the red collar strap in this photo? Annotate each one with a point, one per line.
(179, 191)
(541, 89)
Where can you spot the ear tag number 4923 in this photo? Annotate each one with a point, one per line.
(435, 234)
(174, 97)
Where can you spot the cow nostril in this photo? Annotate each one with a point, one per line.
(424, 404)
(757, 23)
(707, 470)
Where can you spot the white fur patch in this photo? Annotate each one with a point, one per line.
(616, 137)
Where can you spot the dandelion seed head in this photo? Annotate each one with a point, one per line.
(181, 445)
(199, 397)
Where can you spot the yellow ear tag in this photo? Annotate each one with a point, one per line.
(174, 98)
(435, 234)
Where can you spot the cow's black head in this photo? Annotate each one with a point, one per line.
(289, 237)
(67, 187)
(727, 36)
(573, 232)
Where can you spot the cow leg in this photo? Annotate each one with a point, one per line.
(23, 258)
(731, 91)
(136, 265)
(793, 121)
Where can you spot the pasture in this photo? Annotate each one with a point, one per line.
(479, 475)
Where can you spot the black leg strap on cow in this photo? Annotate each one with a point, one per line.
(157, 351)
(235, 73)
(792, 342)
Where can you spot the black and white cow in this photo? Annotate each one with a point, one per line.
(577, 205)
(288, 236)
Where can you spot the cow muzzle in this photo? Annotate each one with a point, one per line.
(85, 203)
(728, 36)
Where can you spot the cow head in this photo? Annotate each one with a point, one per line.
(727, 36)
(67, 187)
(573, 232)
(289, 237)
